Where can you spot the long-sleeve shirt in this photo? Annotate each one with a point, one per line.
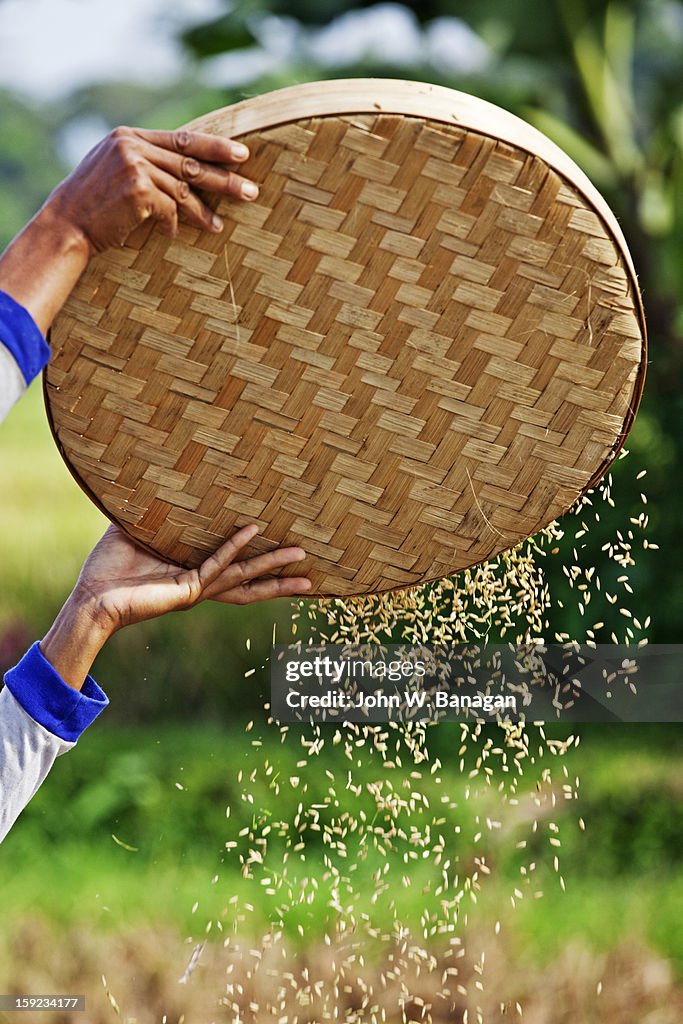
(41, 716)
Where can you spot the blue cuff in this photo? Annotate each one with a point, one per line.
(50, 701)
(20, 335)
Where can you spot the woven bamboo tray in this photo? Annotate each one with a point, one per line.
(422, 343)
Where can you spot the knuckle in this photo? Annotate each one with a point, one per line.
(123, 143)
(229, 552)
(182, 191)
(137, 184)
(142, 212)
(189, 589)
(233, 181)
(189, 167)
(122, 131)
(241, 571)
(170, 226)
(182, 139)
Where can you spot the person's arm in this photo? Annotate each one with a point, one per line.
(49, 697)
(40, 718)
(130, 177)
(120, 584)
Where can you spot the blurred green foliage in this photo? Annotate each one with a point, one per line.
(29, 164)
(136, 823)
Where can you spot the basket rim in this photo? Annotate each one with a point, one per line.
(345, 96)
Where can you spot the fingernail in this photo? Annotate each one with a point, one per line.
(239, 151)
(299, 557)
(216, 222)
(249, 190)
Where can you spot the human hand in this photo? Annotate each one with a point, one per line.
(121, 584)
(134, 175)
(124, 584)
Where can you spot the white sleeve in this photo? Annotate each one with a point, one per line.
(27, 752)
(23, 351)
(40, 717)
(12, 383)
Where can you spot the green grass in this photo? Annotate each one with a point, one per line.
(604, 913)
(63, 863)
(48, 524)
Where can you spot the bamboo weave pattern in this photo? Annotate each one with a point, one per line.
(419, 346)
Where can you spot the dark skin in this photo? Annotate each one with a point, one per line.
(131, 177)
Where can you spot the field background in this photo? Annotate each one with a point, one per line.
(102, 875)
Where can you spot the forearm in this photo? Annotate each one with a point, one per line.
(43, 263)
(74, 640)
